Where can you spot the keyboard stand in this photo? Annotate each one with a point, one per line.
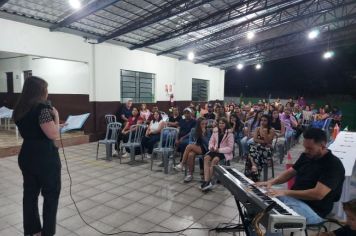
(244, 227)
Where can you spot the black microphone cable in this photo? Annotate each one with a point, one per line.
(118, 232)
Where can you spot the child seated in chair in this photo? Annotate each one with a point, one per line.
(350, 228)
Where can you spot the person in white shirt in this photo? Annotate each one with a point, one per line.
(153, 133)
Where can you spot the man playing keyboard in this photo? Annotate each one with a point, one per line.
(319, 177)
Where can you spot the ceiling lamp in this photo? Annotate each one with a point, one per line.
(258, 66)
(191, 56)
(250, 35)
(240, 66)
(328, 54)
(75, 4)
(313, 34)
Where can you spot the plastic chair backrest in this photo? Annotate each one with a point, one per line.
(168, 137)
(112, 130)
(110, 118)
(327, 124)
(136, 133)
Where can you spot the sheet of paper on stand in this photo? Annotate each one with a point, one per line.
(75, 122)
(344, 147)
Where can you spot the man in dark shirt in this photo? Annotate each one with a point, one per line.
(319, 177)
(125, 112)
(210, 115)
(185, 126)
(174, 118)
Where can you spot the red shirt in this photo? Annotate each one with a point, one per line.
(133, 120)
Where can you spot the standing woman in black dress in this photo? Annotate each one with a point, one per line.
(38, 123)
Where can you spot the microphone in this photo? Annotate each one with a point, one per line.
(48, 103)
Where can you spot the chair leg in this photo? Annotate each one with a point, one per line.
(142, 153)
(97, 151)
(152, 160)
(165, 163)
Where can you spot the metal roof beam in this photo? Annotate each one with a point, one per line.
(291, 42)
(300, 24)
(221, 34)
(213, 19)
(83, 12)
(3, 2)
(164, 13)
(293, 50)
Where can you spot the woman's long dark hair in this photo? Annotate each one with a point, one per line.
(198, 130)
(255, 119)
(34, 91)
(227, 125)
(268, 122)
(159, 117)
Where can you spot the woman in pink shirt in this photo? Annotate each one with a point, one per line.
(221, 146)
(144, 112)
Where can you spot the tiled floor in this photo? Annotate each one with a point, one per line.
(118, 197)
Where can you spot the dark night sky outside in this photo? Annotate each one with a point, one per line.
(307, 75)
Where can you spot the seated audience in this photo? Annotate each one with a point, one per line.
(151, 117)
(280, 133)
(260, 151)
(240, 113)
(350, 228)
(197, 111)
(319, 177)
(145, 112)
(336, 114)
(123, 135)
(198, 145)
(307, 116)
(185, 126)
(153, 133)
(251, 126)
(210, 114)
(221, 146)
(319, 118)
(237, 128)
(125, 112)
(289, 123)
(174, 119)
(231, 109)
(301, 102)
(204, 110)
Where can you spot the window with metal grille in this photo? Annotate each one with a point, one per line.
(139, 86)
(200, 90)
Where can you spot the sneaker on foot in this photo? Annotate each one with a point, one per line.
(125, 155)
(178, 167)
(188, 178)
(206, 186)
(115, 154)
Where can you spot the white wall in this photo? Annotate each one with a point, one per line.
(16, 66)
(63, 77)
(110, 59)
(105, 62)
(66, 77)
